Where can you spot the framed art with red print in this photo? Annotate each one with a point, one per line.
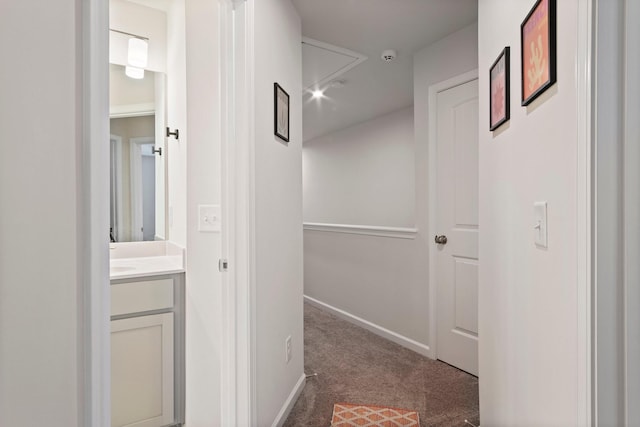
(499, 90)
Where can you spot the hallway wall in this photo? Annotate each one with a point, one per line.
(530, 370)
(384, 280)
(278, 209)
(363, 174)
(199, 178)
(41, 253)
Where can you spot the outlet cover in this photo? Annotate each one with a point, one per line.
(540, 226)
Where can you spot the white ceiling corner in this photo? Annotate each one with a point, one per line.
(324, 62)
(374, 87)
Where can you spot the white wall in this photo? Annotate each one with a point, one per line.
(278, 207)
(528, 297)
(142, 21)
(385, 280)
(177, 119)
(125, 91)
(40, 229)
(363, 174)
(202, 186)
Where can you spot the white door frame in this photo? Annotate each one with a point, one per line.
(238, 237)
(94, 198)
(632, 213)
(116, 182)
(135, 181)
(93, 194)
(432, 176)
(616, 215)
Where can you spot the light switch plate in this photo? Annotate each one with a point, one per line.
(209, 219)
(540, 224)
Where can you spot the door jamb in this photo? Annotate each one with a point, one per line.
(135, 181)
(116, 181)
(94, 347)
(432, 228)
(238, 194)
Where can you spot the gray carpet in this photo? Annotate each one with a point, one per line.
(357, 366)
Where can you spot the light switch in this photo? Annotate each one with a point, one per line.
(540, 225)
(209, 219)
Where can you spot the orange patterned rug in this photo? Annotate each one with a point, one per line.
(346, 414)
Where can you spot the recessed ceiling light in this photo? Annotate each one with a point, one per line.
(317, 93)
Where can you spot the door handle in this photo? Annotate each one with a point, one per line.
(441, 240)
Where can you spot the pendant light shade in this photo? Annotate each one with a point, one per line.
(134, 72)
(138, 52)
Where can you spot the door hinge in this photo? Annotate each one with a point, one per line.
(223, 265)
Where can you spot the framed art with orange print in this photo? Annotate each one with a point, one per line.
(538, 50)
(499, 90)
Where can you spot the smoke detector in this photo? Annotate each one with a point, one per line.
(389, 55)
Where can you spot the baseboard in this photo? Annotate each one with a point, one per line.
(420, 348)
(288, 404)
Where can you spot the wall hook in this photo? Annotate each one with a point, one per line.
(176, 134)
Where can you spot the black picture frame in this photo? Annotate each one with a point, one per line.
(538, 50)
(499, 89)
(280, 112)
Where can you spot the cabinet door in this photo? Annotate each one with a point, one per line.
(142, 371)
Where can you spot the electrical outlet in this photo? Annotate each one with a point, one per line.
(287, 345)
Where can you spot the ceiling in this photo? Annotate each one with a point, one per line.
(373, 87)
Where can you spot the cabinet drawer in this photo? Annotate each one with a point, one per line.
(134, 297)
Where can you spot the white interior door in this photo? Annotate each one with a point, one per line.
(457, 220)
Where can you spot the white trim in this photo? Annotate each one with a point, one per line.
(116, 180)
(136, 185)
(367, 230)
(632, 215)
(432, 195)
(94, 406)
(359, 58)
(230, 404)
(132, 110)
(584, 212)
(291, 400)
(162, 161)
(239, 197)
(395, 337)
(608, 238)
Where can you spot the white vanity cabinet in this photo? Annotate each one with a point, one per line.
(147, 351)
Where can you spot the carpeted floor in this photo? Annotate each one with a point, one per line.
(357, 366)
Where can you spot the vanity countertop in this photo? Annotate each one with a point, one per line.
(142, 259)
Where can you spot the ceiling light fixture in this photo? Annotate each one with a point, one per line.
(137, 54)
(317, 93)
(134, 72)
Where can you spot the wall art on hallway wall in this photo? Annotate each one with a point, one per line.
(281, 112)
(499, 93)
(538, 50)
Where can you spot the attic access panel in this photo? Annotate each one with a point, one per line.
(323, 62)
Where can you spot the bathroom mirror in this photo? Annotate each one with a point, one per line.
(138, 158)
